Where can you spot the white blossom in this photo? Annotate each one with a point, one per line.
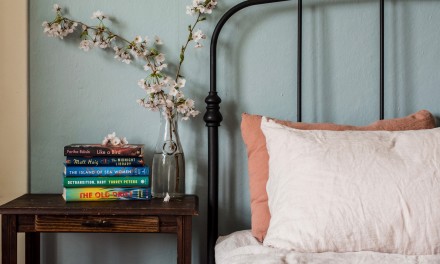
(140, 102)
(136, 52)
(156, 88)
(179, 95)
(138, 39)
(157, 40)
(98, 14)
(143, 84)
(189, 103)
(86, 44)
(56, 8)
(193, 112)
(146, 52)
(161, 66)
(151, 105)
(198, 35)
(147, 67)
(173, 91)
(190, 10)
(199, 6)
(59, 30)
(180, 83)
(167, 80)
(182, 108)
(160, 58)
(122, 55)
(115, 141)
(167, 198)
(170, 103)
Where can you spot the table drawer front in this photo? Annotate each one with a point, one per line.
(99, 224)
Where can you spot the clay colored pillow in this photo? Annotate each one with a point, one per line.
(258, 159)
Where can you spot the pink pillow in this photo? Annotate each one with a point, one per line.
(258, 158)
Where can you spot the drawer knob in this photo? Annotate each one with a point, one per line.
(97, 223)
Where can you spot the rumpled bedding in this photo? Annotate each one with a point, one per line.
(241, 247)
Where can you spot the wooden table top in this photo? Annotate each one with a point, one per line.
(54, 204)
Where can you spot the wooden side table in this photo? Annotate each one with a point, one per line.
(35, 213)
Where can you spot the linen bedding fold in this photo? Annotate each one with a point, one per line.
(242, 248)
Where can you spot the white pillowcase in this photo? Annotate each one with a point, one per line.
(351, 191)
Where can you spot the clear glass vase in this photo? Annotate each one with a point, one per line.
(168, 169)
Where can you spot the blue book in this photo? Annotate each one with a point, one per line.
(105, 161)
(79, 171)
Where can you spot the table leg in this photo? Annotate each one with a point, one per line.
(9, 239)
(32, 248)
(184, 239)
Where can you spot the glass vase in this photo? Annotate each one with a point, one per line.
(168, 169)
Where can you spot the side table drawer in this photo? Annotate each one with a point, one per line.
(99, 224)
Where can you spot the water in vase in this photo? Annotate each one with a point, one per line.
(170, 175)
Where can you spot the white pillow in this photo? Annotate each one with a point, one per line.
(345, 191)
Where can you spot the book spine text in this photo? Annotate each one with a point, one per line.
(81, 171)
(100, 151)
(106, 194)
(142, 181)
(105, 161)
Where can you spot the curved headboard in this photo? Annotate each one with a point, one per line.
(213, 117)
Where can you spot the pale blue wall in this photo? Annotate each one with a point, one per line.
(80, 97)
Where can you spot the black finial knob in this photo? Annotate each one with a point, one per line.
(213, 117)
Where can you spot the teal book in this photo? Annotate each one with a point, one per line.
(115, 181)
(82, 171)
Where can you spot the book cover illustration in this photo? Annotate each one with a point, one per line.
(90, 150)
(105, 194)
(105, 171)
(129, 181)
(105, 161)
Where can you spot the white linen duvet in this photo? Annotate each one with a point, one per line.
(241, 247)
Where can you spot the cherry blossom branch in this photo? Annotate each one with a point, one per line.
(162, 91)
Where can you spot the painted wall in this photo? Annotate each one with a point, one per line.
(81, 97)
(13, 107)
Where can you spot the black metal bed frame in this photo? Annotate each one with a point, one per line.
(213, 117)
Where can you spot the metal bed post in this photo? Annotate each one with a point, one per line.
(299, 64)
(213, 119)
(382, 59)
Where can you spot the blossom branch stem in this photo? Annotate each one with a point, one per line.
(99, 28)
(182, 52)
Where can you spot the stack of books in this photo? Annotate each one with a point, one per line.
(94, 172)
